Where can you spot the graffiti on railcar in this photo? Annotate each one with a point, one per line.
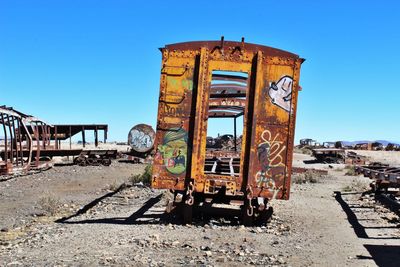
(173, 111)
(280, 92)
(173, 151)
(176, 83)
(270, 155)
(140, 140)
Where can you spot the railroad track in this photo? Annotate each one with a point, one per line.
(382, 175)
(390, 200)
(385, 183)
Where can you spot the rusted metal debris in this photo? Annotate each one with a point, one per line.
(369, 146)
(308, 143)
(353, 158)
(329, 155)
(385, 183)
(392, 147)
(224, 79)
(30, 143)
(62, 132)
(383, 175)
(95, 157)
(24, 136)
(337, 155)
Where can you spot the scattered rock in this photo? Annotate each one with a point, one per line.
(222, 259)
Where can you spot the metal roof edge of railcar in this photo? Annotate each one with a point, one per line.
(194, 45)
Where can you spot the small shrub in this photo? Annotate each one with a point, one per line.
(49, 204)
(347, 188)
(297, 179)
(306, 151)
(297, 150)
(356, 185)
(338, 169)
(306, 177)
(303, 150)
(113, 186)
(145, 177)
(351, 171)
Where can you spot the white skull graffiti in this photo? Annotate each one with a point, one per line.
(281, 92)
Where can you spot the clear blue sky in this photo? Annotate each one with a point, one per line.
(97, 61)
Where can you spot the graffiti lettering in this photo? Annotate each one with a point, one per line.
(270, 156)
(140, 140)
(276, 148)
(173, 111)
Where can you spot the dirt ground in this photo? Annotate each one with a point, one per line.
(81, 216)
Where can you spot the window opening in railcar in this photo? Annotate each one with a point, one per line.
(227, 101)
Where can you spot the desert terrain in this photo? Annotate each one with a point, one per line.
(97, 215)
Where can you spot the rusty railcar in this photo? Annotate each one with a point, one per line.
(208, 80)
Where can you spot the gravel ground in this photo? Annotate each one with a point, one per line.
(96, 222)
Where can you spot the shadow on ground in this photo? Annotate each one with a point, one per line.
(359, 229)
(383, 255)
(144, 215)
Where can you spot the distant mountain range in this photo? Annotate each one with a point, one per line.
(383, 142)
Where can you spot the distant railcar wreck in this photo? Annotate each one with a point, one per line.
(29, 143)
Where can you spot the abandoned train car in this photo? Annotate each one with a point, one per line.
(205, 82)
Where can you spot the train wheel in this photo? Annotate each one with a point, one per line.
(106, 162)
(90, 161)
(81, 161)
(265, 216)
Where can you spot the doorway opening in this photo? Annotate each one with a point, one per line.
(227, 104)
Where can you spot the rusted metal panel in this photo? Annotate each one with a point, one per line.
(172, 143)
(273, 127)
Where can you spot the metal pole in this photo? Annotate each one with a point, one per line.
(234, 133)
(15, 140)
(37, 135)
(11, 140)
(83, 136)
(5, 139)
(70, 141)
(43, 138)
(20, 141)
(55, 137)
(96, 140)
